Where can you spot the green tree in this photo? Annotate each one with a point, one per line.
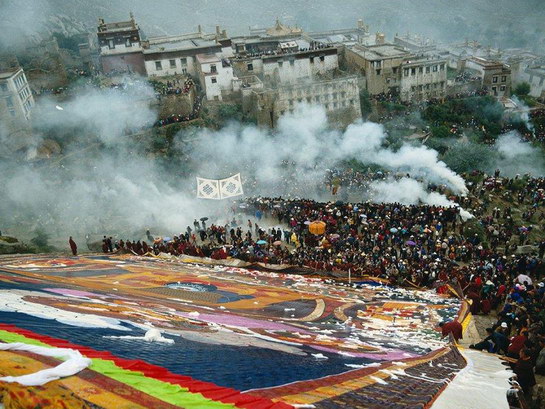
(522, 89)
(441, 131)
(466, 157)
(230, 112)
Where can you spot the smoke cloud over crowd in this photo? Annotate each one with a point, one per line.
(101, 182)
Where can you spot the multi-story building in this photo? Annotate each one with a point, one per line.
(287, 62)
(215, 75)
(389, 69)
(120, 47)
(170, 55)
(495, 75)
(16, 100)
(339, 97)
(423, 78)
(379, 65)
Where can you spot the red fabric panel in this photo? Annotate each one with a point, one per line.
(207, 389)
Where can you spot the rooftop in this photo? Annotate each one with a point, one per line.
(177, 43)
(208, 58)
(280, 29)
(379, 52)
(104, 27)
(486, 63)
(8, 74)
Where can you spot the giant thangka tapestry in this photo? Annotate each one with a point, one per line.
(219, 189)
(160, 333)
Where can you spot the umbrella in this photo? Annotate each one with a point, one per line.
(317, 227)
(277, 243)
(277, 205)
(261, 242)
(203, 219)
(410, 243)
(335, 236)
(393, 230)
(167, 238)
(307, 222)
(243, 206)
(339, 202)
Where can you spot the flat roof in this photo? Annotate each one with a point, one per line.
(4, 75)
(178, 44)
(117, 26)
(208, 58)
(379, 52)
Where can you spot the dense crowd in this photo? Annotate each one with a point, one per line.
(493, 260)
(174, 86)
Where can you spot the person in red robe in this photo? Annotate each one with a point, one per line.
(73, 246)
(452, 327)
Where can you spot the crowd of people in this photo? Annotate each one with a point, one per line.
(174, 86)
(495, 260)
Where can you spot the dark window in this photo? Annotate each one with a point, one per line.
(413, 71)
(421, 70)
(442, 67)
(435, 68)
(427, 70)
(292, 62)
(280, 63)
(378, 72)
(495, 80)
(213, 68)
(311, 60)
(214, 80)
(158, 66)
(394, 70)
(183, 61)
(503, 78)
(250, 67)
(172, 63)
(322, 58)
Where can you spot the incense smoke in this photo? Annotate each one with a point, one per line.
(104, 184)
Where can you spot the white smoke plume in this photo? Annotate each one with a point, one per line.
(103, 182)
(410, 192)
(305, 140)
(516, 156)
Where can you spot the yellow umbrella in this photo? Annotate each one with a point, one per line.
(317, 227)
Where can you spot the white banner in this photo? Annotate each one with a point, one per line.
(231, 187)
(208, 189)
(219, 189)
